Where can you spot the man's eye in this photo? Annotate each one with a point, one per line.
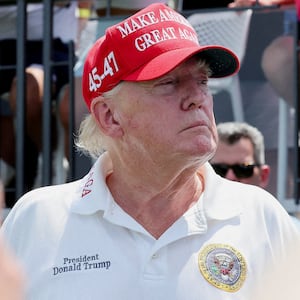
(167, 82)
(165, 87)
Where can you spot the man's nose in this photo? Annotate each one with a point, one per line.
(194, 95)
(231, 176)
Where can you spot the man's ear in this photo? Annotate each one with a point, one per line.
(264, 175)
(104, 116)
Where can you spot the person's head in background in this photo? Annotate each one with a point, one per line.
(240, 155)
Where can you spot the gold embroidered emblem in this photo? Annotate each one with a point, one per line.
(222, 266)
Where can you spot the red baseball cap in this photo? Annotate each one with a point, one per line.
(146, 46)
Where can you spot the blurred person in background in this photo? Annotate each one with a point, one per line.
(278, 60)
(68, 21)
(278, 63)
(240, 155)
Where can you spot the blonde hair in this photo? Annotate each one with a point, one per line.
(90, 140)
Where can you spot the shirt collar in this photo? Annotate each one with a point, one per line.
(95, 195)
(219, 199)
(218, 202)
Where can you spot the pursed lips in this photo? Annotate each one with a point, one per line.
(195, 125)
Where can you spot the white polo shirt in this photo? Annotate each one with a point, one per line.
(76, 243)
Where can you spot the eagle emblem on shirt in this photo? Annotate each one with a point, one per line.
(222, 266)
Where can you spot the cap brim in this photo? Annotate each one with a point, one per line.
(222, 62)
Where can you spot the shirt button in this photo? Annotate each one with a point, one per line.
(155, 255)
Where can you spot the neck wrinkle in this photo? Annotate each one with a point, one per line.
(156, 210)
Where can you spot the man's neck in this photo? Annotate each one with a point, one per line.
(156, 204)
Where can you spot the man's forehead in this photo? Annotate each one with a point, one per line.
(239, 147)
(233, 153)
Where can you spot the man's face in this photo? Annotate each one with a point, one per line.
(242, 153)
(170, 117)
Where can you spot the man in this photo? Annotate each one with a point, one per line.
(277, 63)
(240, 155)
(151, 220)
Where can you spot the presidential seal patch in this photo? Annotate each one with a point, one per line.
(222, 266)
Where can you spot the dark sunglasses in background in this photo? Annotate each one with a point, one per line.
(239, 170)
